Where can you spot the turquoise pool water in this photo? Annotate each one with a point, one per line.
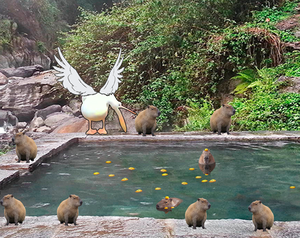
(244, 172)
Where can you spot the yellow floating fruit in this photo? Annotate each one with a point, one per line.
(206, 174)
(292, 187)
(166, 197)
(131, 168)
(124, 179)
(184, 183)
(157, 188)
(172, 207)
(165, 174)
(197, 177)
(139, 191)
(96, 173)
(166, 207)
(191, 168)
(206, 149)
(108, 162)
(212, 180)
(204, 181)
(111, 175)
(163, 170)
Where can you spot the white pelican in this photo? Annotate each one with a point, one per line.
(94, 105)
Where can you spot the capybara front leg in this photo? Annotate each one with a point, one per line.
(66, 219)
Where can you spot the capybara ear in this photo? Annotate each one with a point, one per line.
(12, 196)
(259, 201)
(198, 199)
(148, 106)
(223, 105)
(70, 195)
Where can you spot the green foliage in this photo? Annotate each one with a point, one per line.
(199, 114)
(177, 52)
(267, 111)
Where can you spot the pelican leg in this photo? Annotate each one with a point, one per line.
(90, 131)
(102, 131)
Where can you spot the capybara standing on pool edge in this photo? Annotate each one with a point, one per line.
(25, 147)
(263, 217)
(196, 214)
(14, 210)
(67, 211)
(145, 122)
(220, 120)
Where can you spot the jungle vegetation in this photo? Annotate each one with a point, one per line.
(183, 55)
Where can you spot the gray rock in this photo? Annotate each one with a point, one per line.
(56, 119)
(67, 109)
(43, 113)
(21, 124)
(37, 122)
(38, 91)
(3, 79)
(294, 84)
(75, 105)
(24, 72)
(44, 129)
(8, 118)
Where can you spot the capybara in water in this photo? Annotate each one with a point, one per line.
(207, 168)
(14, 210)
(206, 157)
(263, 217)
(67, 211)
(25, 147)
(145, 122)
(220, 120)
(196, 214)
(167, 204)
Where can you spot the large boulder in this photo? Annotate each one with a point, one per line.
(3, 79)
(24, 72)
(24, 97)
(43, 113)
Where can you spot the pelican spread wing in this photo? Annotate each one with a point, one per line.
(70, 78)
(113, 80)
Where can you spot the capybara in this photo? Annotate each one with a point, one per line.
(167, 204)
(220, 120)
(206, 157)
(67, 211)
(263, 217)
(14, 210)
(196, 214)
(207, 168)
(145, 122)
(25, 147)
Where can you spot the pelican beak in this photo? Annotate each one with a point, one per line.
(121, 119)
(128, 110)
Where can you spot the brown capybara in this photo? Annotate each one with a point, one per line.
(207, 168)
(167, 204)
(25, 147)
(263, 217)
(14, 210)
(67, 211)
(220, 120)
(206, 157)
(145, 122)
(196, 214)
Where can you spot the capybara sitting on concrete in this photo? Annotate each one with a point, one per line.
(167, 204)
(145, 122)
(196, 214)
(263, 217)
(14, 210)
(206, 157)
(220, 120)
(25, 147)
(67, 211)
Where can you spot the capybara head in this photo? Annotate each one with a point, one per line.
(228, 109)
(18, 138)
(203, 204)
(164, 204)
(255, 206)
(75, 200)
(153, 111)
(6, 200)
(206, 154)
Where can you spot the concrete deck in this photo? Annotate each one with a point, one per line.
(48, 226)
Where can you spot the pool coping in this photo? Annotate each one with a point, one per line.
(51, 144)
